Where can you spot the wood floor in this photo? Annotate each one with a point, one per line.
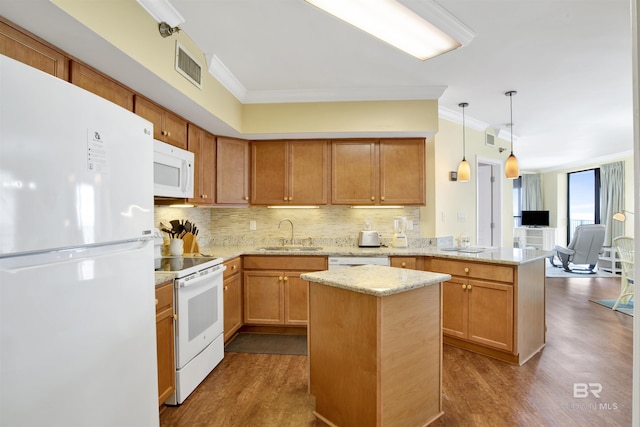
(586, 343)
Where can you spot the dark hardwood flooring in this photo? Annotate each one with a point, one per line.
(586, 343)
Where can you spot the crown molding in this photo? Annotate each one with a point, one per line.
(455, 116)
(441, 18)
(162, 11)
(220, 71)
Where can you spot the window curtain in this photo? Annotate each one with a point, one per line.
(531, 192)
(611, 199)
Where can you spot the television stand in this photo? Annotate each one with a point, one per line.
(541, 238)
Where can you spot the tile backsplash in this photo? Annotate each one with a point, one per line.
(328, 225)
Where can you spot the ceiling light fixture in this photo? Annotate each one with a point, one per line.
(511, 168)
(464, 171)
(392, 23)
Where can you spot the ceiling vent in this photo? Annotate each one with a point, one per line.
(188, 66)
(489, 139)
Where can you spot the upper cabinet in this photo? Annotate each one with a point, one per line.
(378, 172)
(167, 126)
(289, 172)
(232, 171)
(91, 80)
(32, 51)
(203, 146)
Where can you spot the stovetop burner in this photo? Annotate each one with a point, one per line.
(185, 265)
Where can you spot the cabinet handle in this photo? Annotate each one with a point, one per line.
(246, 197)
(168, 134)
(233, 267)
(382, 198)
(372, 198)
(279, 277)
(226, 288)
(175, 316)
(157, 301)
(404, 264)
(286, 278)
(464, 286)
(468, 287)
(290, 198)
(466, 269)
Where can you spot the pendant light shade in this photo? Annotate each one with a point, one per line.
(511, 168)
(464, 171)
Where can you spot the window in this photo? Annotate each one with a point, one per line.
(583, 199)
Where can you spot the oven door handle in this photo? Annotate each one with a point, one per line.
(200, 276)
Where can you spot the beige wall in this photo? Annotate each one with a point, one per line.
(451, 197)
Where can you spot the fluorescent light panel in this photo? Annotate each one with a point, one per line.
(162, 11)
(393, 23)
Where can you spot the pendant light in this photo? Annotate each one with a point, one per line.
(511, 168)
(464, 171)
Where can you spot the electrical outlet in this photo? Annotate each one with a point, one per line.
(252, 225)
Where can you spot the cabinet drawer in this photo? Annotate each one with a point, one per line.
(413, 263)
(303, 263)
(499, 273)
(233, 267)
(164, 296)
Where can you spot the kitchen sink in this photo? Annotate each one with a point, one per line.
(289, 248)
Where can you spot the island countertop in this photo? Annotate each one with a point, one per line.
(376, 280)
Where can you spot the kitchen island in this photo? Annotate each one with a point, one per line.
(375, 345)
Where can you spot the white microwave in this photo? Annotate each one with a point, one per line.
(172, 171)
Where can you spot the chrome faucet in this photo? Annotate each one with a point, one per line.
(287, 219)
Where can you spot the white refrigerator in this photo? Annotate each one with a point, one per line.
(77, 297)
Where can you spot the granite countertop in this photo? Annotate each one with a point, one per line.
(509, 256)
(164, 276)
(376, 280)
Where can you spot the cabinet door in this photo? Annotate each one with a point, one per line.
(101, 85)
(308, 172)
(175, 130)
(165, 341)
(354, 172)
(296, 292)
(203, 145)
(152, 112)
(232, 171)
(491, 314)
(454, 307)
(262, 298)
(28, 50)
(402, 172)
(269, 171)
(232, 305)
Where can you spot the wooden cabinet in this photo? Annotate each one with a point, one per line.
(167, 126)
(289, 172)
(494, 309)
(203, 146)
(101, 85)
(411, 262)
(232, 298)
(232, 171)
(478, 311)
(165, 341)
(274, 294)
(29, 49)
(378, 172)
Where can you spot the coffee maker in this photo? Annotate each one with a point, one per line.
(399, 237)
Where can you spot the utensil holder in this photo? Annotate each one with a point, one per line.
(176, 247)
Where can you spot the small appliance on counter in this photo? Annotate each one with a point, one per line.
(368, 238)
(399, 237)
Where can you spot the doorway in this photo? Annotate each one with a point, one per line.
(489, 197)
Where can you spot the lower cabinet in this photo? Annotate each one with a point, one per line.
(232, 298)
(165, 341)
(274, 294)
(478, 311)
(410, 262)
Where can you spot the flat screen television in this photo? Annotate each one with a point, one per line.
(535, 218)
